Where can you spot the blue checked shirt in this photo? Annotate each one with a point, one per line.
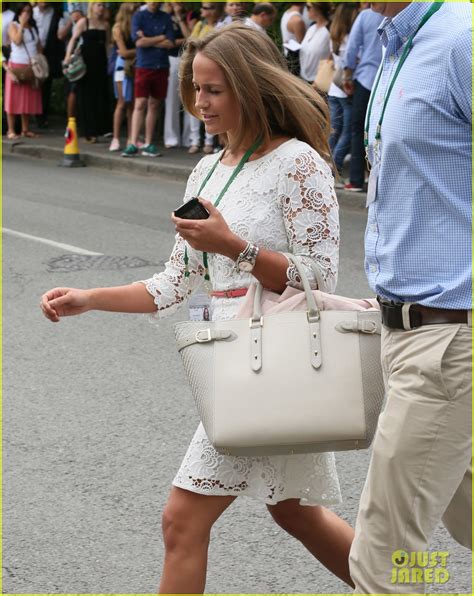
(418, 236)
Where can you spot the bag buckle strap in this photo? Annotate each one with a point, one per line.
(203, 336)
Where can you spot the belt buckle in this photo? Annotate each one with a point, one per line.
(406, 316)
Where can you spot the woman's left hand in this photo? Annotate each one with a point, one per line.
(209, 235)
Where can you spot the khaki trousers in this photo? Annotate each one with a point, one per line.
(420, 471)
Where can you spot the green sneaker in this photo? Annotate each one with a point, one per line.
(151, 151)
(130, 151)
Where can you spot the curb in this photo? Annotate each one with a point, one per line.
(142, 167)
(133, 166)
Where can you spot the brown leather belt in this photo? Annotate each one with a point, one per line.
(410, 316)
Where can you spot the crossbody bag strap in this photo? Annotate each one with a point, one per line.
(26, 49)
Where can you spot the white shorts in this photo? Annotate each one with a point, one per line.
(119, 76)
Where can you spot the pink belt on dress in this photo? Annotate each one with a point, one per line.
(238, 293)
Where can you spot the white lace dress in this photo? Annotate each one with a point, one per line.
(284, 201)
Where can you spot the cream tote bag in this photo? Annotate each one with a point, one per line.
(299, 373)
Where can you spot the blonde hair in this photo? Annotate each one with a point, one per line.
(272, 101)
(90, 9)
(343, 19)
(123, 20)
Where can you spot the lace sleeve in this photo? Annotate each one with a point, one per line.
(171, 288)
(311, 216)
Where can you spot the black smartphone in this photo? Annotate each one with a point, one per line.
(193, 209)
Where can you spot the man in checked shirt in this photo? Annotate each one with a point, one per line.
(418, 261)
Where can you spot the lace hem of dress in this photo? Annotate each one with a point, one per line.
(310, 477)
(217, 489)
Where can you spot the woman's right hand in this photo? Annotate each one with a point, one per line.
(64, 302)
(24, 19)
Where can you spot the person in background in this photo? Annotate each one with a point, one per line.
(262, 17)
(361, 61)
(65, 31)
(173, 109)
(152, 31)
(315, 44)
(211, 13)
(123, 82)
(293, 29)
(47, 17)
(92, 90)
(84, 7)
(7, 17)
(23, 99)
(67, 23)
(234, 11)
(340, 104)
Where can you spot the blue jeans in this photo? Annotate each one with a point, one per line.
(340, 109)
(360, 101)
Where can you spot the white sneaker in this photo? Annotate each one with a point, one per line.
(114, 145)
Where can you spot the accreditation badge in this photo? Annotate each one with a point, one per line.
(199, 305)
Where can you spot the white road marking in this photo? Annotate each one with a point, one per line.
(67, 247)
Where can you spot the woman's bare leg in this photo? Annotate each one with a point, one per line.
(187, 521)
(25, 122)
(11, 118)
(119, 111)
(322, 532)
(71, 104)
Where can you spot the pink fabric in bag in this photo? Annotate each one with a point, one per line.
(293, 299)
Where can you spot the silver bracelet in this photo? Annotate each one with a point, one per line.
(247, 258)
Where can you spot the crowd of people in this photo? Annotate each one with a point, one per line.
(131, 53)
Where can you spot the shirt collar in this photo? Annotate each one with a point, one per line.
(404, 24)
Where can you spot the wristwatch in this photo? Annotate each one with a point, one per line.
(247, 258)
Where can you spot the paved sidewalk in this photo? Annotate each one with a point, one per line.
(175, 164)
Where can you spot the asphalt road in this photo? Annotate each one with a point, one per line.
(97, 414)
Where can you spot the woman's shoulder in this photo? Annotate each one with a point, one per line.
(292, 148)
(295, 155)
(201, 169)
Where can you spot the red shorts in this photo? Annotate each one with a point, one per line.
(151, 82)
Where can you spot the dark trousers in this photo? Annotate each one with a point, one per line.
(360, 101)
(46, 98)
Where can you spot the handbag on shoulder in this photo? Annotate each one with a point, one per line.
(296, 373)
(129, 67)
(39, 66)
(76, 69)
(22, 74)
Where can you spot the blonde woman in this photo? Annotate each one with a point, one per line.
(92, 90)
(282, 200)
(123, 82)
(211, 13)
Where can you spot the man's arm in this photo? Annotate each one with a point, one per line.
(136, 25)
(152, 42)
(356, 38)
(297, 26)
(164, 41)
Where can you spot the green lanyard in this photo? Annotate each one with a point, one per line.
(235, 173)
(407, 49)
